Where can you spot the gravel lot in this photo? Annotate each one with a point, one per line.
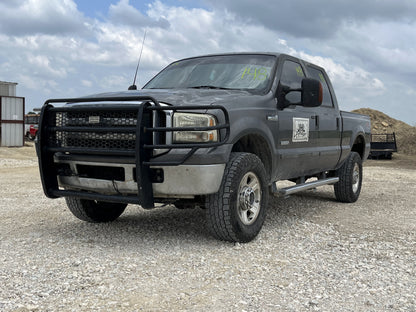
(313, 254)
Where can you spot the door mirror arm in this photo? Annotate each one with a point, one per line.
(282, 91)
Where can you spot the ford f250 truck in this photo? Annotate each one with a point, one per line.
(215, 131)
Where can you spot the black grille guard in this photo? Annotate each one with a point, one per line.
(142, 152)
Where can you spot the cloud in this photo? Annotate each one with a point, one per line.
(387, 47)
(27, 17)
(123, 13)
(316, 19)
(43, 63)
(199, 31)
(86, 83)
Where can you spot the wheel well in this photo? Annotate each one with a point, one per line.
(359, 146)
(255, 144)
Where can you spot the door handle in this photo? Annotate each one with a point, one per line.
(273, 117)
(316, 117)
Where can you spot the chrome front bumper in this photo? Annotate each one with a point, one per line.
(183, 181)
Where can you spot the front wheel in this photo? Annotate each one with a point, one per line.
(94, 211)
(237, 212)
(348, 189)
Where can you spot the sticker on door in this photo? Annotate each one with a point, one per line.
(300, 130)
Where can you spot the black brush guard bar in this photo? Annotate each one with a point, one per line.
(143, 143)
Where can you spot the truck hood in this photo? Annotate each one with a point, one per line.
(183, 97)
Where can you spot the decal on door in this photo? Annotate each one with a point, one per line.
(300, 130)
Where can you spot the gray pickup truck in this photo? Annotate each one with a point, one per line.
(215, 132)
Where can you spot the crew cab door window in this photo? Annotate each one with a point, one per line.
(292, 75)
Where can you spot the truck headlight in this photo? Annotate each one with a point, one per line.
(194, 121)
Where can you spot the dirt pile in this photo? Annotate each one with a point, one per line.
(382, 123)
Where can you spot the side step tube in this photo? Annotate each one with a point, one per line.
(303, 186)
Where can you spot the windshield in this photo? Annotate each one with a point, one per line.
(247, 72)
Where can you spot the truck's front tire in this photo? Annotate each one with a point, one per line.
(348, 189)
(237, 212)
(94, 211)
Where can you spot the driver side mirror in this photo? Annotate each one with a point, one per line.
(311, 94)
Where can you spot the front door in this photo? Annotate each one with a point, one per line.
(297, 132)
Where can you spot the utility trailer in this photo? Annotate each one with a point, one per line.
(383, 145)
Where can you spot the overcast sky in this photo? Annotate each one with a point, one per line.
(69, 48)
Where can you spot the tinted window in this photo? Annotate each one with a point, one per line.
(292, 75)
(318, 75)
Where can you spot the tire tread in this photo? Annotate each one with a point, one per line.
(343, 188)
(219, 205)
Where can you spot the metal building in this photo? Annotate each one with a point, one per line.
(12, 115)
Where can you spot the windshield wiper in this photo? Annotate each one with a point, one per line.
(210, 87)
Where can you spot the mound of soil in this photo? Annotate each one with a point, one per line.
(382, 123)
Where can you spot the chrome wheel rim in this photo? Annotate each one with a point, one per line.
(249, 198)
(355, 178)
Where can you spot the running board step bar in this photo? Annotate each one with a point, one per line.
(302, 186)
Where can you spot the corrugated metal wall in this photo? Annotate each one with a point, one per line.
(7, 89)
(12, 121)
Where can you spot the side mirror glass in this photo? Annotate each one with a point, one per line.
(312, 92)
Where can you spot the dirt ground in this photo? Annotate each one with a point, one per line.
(25, 152)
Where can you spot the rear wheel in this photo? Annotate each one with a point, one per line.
(237, 212)
(94, 211)
(350, 175)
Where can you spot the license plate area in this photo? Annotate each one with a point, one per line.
(101, 172)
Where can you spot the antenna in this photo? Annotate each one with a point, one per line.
(133, 86)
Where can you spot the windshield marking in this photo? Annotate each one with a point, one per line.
(259, 73)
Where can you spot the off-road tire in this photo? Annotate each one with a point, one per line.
(348, 189)
(94, 211)
(229, 217)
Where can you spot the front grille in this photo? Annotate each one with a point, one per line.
(93, 140)
(94, 123)
(105, 119)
